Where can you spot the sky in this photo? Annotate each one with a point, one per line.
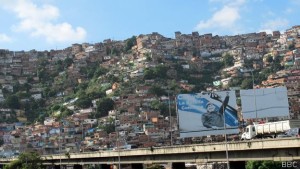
(57, 24)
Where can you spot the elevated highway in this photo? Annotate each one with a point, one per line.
(285, 149)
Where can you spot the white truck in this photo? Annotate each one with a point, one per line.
(270, 129)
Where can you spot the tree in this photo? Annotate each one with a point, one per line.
(276, 66)
(269, 59)
(96, 94)
(12, 102)
(247, 84)
(228, 60)
(68, 62)
(59, 66)
(65, 112)
(263, 75)
(148, 57)
(28, 160)
(1, 142)
(109, 127)
(43, 74)
(149, 74)
(115, 51)
(129, 43)
(103, 106)
(158, 91)
(263, 165)
(291, 47)
(100, 71)
(198, 88)
(49, 92)
(84, 102)
(162, 107)
(164, 110)
(161, 71)
(155, 104)
(253, 164)
(248, 63)
(235, 82)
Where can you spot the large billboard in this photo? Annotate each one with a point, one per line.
(264, 102)
(203, 114)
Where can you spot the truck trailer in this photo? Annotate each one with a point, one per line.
(270, 129)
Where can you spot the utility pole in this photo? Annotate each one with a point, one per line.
(82, 135)
(118, 143)
(59, 146)
(225, 129)
(118, 147)
(254, 93)
(171, 135)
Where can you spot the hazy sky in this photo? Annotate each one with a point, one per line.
(57, 24)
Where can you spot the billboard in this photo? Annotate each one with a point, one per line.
(203, 114)
(264, 102)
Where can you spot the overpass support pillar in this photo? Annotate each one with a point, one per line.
(237, 164)
(138, 166)
(76, 166)
(178, 166)
(105, 166)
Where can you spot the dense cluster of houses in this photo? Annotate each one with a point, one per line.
(134, 125)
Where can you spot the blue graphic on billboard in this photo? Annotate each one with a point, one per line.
(204, 113)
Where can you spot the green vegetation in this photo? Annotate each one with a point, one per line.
(157, 90)
(263, 165)
(12, 102)
(29, 160)
(84, 102)
(129, 43)
(93, 70)
(104, 105)
(291, 47)
(228, 60)
(158, 72)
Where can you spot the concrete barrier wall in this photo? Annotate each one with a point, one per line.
(268, 149)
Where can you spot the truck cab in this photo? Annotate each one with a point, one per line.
(249, 133)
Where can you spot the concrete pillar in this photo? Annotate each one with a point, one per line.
(178, 165)
(138, 166)
(168, 166)
(61, 167)
(76, 166)
(105, 166)
(237, 164)
(56, 166)
(47, 167)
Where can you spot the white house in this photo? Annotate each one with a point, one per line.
(90, 121)
(109, 91)
(37, 96)
(49, 121)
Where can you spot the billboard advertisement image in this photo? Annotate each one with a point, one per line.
(264, 102)
(203, 114)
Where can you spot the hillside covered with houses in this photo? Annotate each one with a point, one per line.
(99, 96)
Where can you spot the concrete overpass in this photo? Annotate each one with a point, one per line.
(286, 149)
